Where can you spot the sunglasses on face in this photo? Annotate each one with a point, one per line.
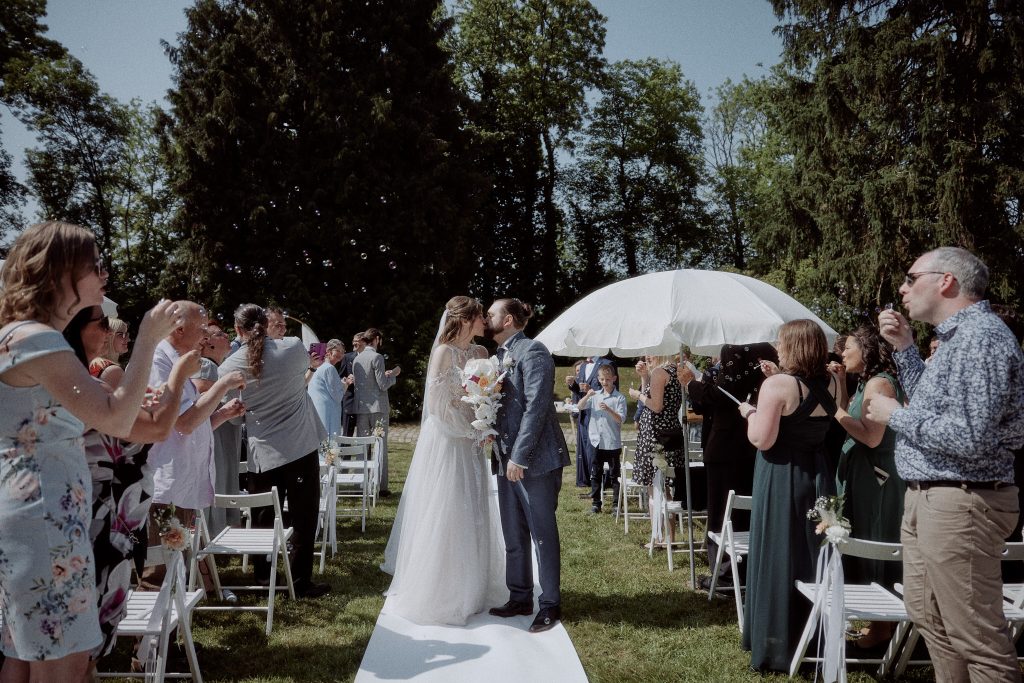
(103, 321)
(911, 278)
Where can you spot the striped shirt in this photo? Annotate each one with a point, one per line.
(966, 412)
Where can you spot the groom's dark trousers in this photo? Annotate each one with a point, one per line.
(525, 506)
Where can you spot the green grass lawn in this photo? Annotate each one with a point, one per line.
(628, 616)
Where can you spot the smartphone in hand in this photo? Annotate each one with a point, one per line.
(318, 348)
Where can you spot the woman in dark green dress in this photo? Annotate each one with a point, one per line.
(788, 427)
(867, 466)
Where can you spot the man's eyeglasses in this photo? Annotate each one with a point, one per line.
(911, 278)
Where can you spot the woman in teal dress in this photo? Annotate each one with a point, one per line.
(788, 426)
(867, 466)
(47, 571)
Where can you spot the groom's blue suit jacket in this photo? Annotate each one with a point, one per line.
(528, 429)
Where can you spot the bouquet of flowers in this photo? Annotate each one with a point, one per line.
(378, 428)
(329, 450)
(173, 534)
(828, 513)
(482, 378)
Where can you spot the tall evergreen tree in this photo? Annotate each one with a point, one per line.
(905, 116)
(528, 65)
(319, 155)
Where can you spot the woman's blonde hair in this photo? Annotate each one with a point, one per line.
(803, 345)
(37, 263)
(658, 361)
(460, 309)
(117, 326)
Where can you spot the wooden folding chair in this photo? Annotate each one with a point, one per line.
(735, 544)
(246, 541)
(864, 602)
(327, 516)
(154, 616)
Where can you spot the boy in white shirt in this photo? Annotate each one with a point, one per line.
(608, 410)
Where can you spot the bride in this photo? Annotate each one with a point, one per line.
(445, 550)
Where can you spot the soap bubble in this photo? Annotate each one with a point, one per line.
(363, 256)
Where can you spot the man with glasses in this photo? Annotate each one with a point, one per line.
(955, 443)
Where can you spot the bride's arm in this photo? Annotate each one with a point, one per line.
(443, 396)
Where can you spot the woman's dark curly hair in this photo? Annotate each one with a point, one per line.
(877, 352)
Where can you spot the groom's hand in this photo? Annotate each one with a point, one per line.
(514, 472)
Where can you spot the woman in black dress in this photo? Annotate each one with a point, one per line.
(788, 427)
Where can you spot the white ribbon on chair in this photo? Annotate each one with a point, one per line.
(831, 639)
(657, 504)
(174, 581)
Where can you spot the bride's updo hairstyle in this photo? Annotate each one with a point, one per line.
(460, 309)
(252, 320)
(519, 311)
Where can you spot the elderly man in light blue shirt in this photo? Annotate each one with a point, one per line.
(604, 429)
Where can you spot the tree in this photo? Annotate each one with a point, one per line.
(319, 155)
(736, 128)
(635, 188)
(904, 117)
(528, 64)
(82, 131)
(22, 44)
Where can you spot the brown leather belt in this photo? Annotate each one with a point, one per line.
(966, 485)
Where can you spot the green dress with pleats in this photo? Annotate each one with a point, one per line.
(873, 495)
(788, 478)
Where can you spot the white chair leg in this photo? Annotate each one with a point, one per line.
(805, 640)
(716, 565)
(737, 589)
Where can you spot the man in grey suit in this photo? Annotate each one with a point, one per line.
(532, 452)
(372, 382)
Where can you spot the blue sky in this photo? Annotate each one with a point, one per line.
(119, 42)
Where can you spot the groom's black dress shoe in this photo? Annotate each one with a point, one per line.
(546, 619)
(512, 609)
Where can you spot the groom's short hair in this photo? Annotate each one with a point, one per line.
(371, 334)
(520, 312)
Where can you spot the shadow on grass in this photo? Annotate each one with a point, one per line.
(662, 609)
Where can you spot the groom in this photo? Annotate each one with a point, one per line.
(532, 452)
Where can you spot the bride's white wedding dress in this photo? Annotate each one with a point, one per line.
(446, 550)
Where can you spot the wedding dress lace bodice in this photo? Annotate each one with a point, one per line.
(444, 390)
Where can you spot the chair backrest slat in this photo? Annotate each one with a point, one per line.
(872, 550)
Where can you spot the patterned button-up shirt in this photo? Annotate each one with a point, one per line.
(966, 411)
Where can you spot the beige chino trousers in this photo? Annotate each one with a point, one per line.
(952, 544)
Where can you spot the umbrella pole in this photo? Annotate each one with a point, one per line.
(689, 491)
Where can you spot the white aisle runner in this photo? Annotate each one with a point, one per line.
(487, 649)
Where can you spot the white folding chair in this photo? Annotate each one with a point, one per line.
(628, 487)
(246, 541)
(672, 514)
(354, 480)
(863, 602)
(376, 444)
(735, 544)
(154, 616)
(327, 516)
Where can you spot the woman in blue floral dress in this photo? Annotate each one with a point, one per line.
(47, 572)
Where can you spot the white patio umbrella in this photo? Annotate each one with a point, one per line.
(109, 307)
(658, 313)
